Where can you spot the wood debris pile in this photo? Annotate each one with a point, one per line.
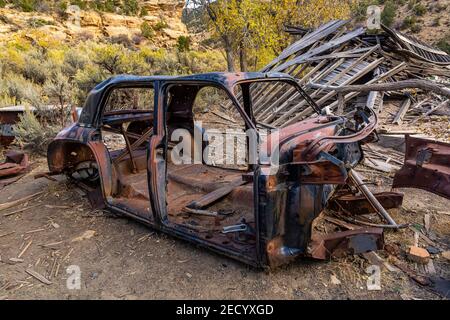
(343, 69)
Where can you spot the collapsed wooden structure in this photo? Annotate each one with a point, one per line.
(333, 56)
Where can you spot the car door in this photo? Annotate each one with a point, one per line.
(156, 161)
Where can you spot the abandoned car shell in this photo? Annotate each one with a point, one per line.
(271, 215)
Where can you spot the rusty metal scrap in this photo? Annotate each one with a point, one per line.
(347, 242)
(9, 116)
(13, 168)
(358, 204)
(427, 166)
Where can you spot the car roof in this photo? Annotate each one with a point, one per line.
(226, 79)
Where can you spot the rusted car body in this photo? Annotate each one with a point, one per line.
(259, 216)
(8, 117)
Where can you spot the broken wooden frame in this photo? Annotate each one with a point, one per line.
(331, 58)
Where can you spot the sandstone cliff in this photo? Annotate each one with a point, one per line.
(164, 16)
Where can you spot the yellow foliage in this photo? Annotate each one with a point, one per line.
(257, 25)
(56, 56)
(314, 13)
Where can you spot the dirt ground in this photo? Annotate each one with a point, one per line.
(126, 260)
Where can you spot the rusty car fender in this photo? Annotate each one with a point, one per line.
(76, 144)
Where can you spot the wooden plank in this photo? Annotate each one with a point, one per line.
(381, 77)
(263, 111)
(326, 46)
(24, 249)
(375, 259)
(7, 205)
(38, 276)
(200, 212)
(215, 195)
(402, 111)
(21, 210)
(322, 32)
(284, 118)
(432, 110)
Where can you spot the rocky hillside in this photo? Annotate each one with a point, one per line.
(156, 22)
(428, 20)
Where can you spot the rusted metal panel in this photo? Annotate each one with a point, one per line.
(348, 242)
(358, 205)
(13, 168)
(426, 166)
(8, 118)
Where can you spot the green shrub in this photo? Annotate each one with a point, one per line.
(444, 44)
(143, 12)
(436, 22)
(31, 133)
(62, 5)
(110, 6)
(420, 9)
(411, 4)
(97, 5)
(130, 7)
(37, 22)
(183, 43)
(7, 101)
(26, 5)
(147, 30)
(21, 90)
(388, 14)
(74, 60)
(2, 3)
(85, 79)
(438, 7)
(109, 58)
(416, 28)
(36, 70)
(59, 90)
(61, 9)
(83, 4)
(122, 39)
(161, 24)
(409, 22)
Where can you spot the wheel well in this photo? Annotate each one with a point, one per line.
(63, 155)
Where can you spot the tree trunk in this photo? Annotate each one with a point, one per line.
(229, 53)
(243, 58)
